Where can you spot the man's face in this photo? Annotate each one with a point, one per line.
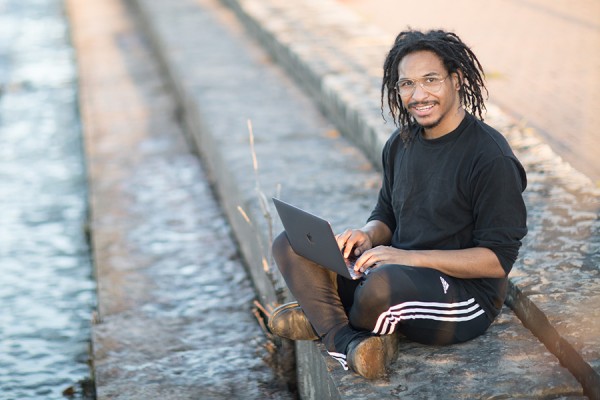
(437, 106)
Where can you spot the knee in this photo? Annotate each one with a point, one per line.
(372, 297)
(281, 247)
(380, 286)
(374, 292)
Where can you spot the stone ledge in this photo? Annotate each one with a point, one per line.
(322, 44)
(208, 58)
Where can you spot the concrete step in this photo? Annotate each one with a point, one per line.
(174, 314)
(554, 285)
(223, 79)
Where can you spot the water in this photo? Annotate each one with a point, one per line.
(46, 288)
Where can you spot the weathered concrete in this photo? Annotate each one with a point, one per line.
(563, 246)
(222, 79)
(538, 72)
(174, 315)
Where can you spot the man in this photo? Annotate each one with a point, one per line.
(444, 233)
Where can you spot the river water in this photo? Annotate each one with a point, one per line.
(46, 285)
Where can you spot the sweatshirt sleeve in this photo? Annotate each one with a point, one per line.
(499, 209)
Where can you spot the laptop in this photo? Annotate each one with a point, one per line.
(312, 238)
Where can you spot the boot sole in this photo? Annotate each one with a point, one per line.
(373, 356)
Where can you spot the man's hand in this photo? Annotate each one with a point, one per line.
(382, 255)
(353, 242)
(475, 262)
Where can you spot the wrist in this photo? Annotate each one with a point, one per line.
(378, 233)
(369, 233)
(417, 258)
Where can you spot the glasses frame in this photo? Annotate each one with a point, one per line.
(421, 83)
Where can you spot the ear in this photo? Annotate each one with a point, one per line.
(457, 79)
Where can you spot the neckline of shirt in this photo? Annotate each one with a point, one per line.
(449, 137)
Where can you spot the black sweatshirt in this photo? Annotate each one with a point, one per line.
(459, 191)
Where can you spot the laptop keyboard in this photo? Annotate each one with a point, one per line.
(350, 265)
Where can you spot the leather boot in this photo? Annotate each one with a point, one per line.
(371, 356)
(289, 321)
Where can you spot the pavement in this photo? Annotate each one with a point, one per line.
(540, 58)
(305, 74)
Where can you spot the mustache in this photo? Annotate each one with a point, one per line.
(421, 103)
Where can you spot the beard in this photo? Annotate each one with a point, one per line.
(430, 124)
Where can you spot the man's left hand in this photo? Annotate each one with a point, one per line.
(382, 255)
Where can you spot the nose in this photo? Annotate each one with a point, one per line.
(419, 93)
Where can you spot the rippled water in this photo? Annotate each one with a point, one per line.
(46, 287)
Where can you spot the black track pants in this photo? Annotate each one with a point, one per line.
(423, 304)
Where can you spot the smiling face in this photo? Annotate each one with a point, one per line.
(437, 112)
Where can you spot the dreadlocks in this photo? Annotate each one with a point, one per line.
(455, 56)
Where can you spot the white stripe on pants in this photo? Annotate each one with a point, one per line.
(453, 312)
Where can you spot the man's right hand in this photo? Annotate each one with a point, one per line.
(353, 242)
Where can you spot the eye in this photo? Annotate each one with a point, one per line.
(406, 84)
(431, 79)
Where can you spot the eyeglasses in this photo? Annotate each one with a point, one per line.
(407, 87)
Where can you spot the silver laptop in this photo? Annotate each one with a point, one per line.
(312, 238)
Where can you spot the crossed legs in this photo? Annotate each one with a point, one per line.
(316, 290)
(421, 303)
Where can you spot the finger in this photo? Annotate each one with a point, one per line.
(350, 244)
(347, 251)
(360, 249)
(365, 261)
(342, 238)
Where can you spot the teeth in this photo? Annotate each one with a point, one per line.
(424, 108)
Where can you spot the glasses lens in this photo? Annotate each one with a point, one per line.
(432, 85)
(406, 87)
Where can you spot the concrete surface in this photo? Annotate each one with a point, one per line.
(541, 59)
(222, 79)
(562, 248)
(167, 268)
(174, 301)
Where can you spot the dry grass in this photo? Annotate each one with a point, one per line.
(280, 353)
